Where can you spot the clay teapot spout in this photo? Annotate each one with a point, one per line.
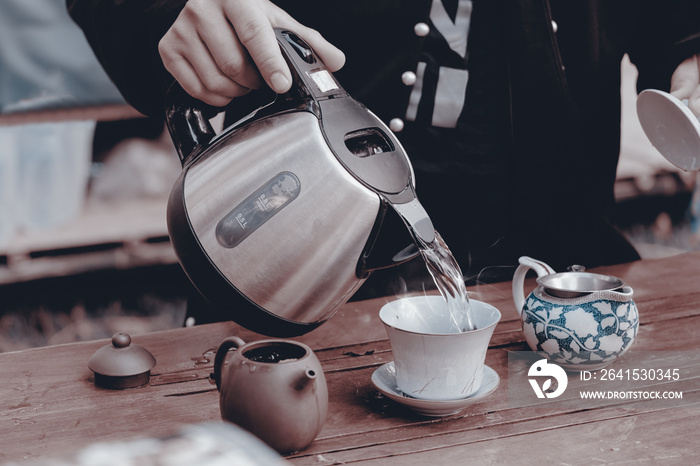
(306, 379)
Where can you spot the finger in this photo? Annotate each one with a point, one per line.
(192, 38)
(187, 57)
(229, 55)
(685, 79)
(330, 55)
(694, 101)
(190, 81)
(254, 30)
(211, 76)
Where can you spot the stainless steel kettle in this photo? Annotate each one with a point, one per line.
(279, 218)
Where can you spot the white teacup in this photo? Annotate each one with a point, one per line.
(431, 363)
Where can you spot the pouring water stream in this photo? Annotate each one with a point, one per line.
(449, 281)
(441, 264)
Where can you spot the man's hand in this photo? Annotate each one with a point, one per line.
(220, 49)
(685, 83)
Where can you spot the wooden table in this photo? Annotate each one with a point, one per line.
(50, 406)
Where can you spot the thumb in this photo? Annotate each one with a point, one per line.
(685, 83)
(685, 78)
(265, 52)
(253, 28)
(330, 55)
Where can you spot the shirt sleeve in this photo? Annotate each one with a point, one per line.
(124, 36)
(665, 34)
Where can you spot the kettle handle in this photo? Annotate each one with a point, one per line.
(187, 120)
(526, 263)
(224, 347)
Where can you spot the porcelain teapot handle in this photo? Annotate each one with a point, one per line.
(226, 345)
(526, 263)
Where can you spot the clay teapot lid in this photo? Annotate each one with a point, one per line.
(121, 364)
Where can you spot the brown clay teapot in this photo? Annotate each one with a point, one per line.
(275, 389)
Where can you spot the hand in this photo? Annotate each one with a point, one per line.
(220, 49)
(685, 83)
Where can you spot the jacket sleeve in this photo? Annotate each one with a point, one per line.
(124, 36)
(666, 33)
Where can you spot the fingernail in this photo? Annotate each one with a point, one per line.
(279, 82)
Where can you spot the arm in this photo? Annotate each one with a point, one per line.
(144, 44)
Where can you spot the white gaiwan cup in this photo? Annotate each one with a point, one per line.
(431, 363)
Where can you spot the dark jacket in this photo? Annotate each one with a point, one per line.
(565, 98)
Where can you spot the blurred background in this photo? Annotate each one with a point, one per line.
(84, 180)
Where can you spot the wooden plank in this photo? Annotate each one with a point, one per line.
(578, 438)
(99, 222)
(119, 235)
(119, 256)
(107, 112)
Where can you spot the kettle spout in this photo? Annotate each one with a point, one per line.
(306, 378)
(417, 220)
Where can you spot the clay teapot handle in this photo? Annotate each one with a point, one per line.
(226, 345)
(526, 263)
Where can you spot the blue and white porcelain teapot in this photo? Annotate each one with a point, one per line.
(578, 320)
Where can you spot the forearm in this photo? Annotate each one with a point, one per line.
(124, 36)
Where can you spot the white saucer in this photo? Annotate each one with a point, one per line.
(384, 378)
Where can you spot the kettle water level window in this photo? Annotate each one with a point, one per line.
(257, 209)
(366, 142)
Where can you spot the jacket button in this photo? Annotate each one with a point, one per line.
(421, 29)
(396, 125)
(555, 26)
(408, 78)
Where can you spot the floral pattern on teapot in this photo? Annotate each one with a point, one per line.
(589, 331)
